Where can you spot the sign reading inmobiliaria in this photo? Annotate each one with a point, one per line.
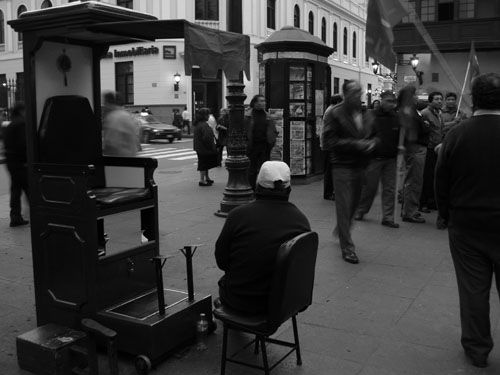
(139, 51)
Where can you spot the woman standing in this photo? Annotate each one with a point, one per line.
(222, 126)
(204, 145)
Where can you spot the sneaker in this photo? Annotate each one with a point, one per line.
(414, 219)
(390, 224)
(358, 217)
(350, 256)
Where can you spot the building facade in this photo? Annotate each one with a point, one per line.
(452, 25)
(144, 73)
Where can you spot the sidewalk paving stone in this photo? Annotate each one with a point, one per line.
(395, 313)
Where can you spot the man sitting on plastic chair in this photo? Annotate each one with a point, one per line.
(268, 254)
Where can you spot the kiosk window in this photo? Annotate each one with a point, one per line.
(124, 79)
(125, 3)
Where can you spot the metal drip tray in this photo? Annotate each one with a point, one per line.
(146, 306)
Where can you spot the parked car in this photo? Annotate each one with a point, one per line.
(150, 128)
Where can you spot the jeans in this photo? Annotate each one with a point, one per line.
(427, 197)
(327, 178)
(347, 184)
(415, 161)
(379, 170)
(258, 155)
(18, 183)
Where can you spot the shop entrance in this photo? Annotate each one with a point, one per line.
(207, 93)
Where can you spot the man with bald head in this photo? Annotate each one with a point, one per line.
(345, 138)
(468, 197)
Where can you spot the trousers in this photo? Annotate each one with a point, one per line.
(476, 258)
(258, 155)
(379, 170)
(427, 196)
(18, 183)
(327, 178)
(412, 189)
(347, 183)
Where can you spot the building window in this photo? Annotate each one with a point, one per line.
(435, 77)
(336, 85)
(125, 3)
(20, 87)
(207, 10)
(46, 4)
(354, 41)
(466, 9)
(335, 37)
(124, 81)
(296, 16)
(345, 40)
(428, 10)
(271, 14)
(323, 29)
(311, 23)
(2, 28)
(446, 10)
(410, 7)
(20, 11)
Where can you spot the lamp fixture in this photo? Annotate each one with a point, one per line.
(414, 63)
(177, 79)
(375, 66)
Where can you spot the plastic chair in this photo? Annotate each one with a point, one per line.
(290, 293)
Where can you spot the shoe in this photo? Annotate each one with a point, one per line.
(329, 197)
(425, 210)
(390, 224)
(18, 223)
(210, 181)
(477, 362)
(350, 256)
(201, 183)
(358, 217)
(414, 219)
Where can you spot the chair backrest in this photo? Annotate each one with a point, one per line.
(293, 280)
(69, 132)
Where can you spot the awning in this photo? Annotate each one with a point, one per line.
(210, 49)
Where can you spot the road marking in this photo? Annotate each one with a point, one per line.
(164, 151)
(193, 156)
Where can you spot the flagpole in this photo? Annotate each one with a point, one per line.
(463, 88)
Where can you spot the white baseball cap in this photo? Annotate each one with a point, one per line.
(272, 171)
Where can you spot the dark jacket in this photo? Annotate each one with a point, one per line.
(246, 250)
(385, 128)
(223, 133)
(435, 126)
(15, 142)
(204, 139)
(346, 145)
(271, 132)
(468, 174)
(449, 119)
(416, 130)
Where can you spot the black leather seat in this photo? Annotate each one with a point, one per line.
(111, 196)
(291, 293)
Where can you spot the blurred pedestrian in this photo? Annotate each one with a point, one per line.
(345, 139)
(450, 114)
(382, 168)
(415, 143)
(186, 120)
(432, 115)
(376, 105)
(468, 198)
(222, 128)
(328, 191)
(177, 118)
(261, 136)
(249, 241)
(16, 162)
(120, 129)
(204, 145)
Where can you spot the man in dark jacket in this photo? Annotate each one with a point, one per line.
(468, 198)
(261, 136)
(252, 234)
(385, 128)
(16, 159)
(345, 139)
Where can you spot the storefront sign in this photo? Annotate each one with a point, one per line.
(139, 51)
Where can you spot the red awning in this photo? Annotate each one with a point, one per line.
(210, 49)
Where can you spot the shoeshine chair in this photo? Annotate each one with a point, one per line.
(290, 293)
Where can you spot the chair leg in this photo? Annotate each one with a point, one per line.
(296, 338)
(264, 355)
(224, 351)
(256, 348)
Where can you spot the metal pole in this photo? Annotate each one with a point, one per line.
(159, 284)
(238, 190)
(189, 270)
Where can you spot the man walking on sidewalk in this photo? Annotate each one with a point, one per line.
(385, 129)
(345, 139)
(16, 159)
(467, 181)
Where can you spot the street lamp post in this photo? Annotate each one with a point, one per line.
(375, 66)
(177, 79)
(238, 190)
(414, 63)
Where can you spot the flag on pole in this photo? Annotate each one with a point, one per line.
(474, 64)
(382, 16)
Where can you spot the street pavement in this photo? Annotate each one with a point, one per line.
(395, 313)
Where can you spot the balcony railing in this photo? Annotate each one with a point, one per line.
(208, 23)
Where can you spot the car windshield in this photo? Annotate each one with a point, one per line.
(148, 119)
